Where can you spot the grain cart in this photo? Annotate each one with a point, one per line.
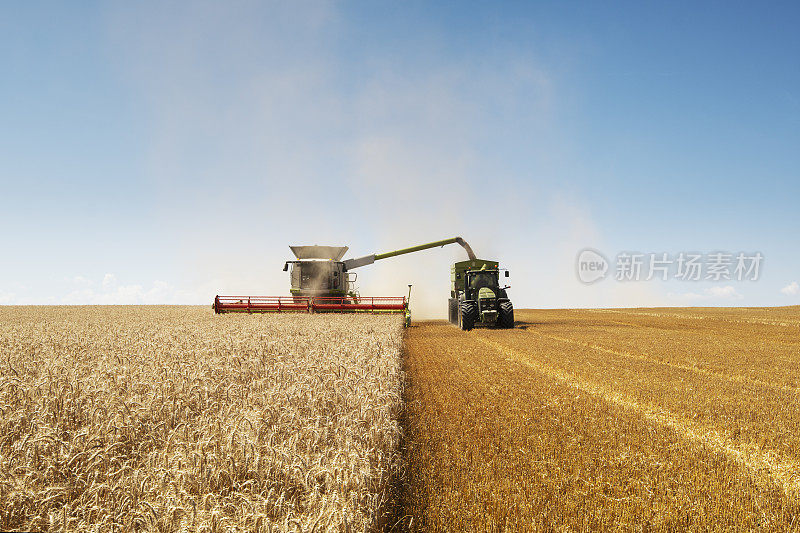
(476, 296)
(322, 282)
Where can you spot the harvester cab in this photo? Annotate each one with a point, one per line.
(319, 271)
(476, 296)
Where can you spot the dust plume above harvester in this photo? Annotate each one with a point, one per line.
(322, 282)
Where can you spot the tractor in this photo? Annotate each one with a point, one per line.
(476, 296)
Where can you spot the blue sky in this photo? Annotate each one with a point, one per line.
(167, 152)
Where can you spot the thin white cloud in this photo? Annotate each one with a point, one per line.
(109, 282)
(111, 292)
(82, 281)
(7, 298)
(791, 289)
(727, 292)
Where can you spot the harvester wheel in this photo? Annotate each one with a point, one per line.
(469, 314)
(505, 319)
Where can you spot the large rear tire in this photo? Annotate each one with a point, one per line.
(469, 314)
(505, 317)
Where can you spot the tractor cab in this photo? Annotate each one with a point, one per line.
(483, 279)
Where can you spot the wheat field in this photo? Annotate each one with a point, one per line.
(612, 420)
(173, 419)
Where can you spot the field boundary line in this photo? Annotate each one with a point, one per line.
(689, 368)
(782, 472)
(707, 328)
(764, 322)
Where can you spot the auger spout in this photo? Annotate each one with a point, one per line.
(350, 264)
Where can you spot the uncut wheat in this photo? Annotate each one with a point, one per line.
(171, 418)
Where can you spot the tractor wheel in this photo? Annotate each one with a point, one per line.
(505, 318)
(469, 314)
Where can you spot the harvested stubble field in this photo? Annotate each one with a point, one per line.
(166, 419)
(579, 420)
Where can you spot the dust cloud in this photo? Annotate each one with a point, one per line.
(261, 141)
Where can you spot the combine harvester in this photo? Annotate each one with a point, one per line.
(321, 282)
